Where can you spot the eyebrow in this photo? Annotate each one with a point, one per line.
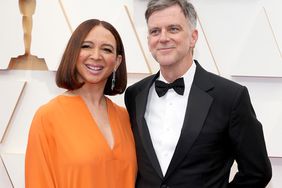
(174, 25)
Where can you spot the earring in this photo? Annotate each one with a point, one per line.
(113, 81)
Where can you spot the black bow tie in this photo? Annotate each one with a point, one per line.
(162, 87)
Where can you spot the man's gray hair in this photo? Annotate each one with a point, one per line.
(186, 7)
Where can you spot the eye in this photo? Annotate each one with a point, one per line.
(154, 32)
(85, 46)
(174, 29)
(108, 50)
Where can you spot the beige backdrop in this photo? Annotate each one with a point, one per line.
(240, 40)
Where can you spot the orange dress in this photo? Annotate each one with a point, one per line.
(66, 149)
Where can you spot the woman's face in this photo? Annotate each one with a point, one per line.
(97, 58)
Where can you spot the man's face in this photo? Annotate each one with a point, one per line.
(170, 37)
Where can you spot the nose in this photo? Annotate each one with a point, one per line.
(95, 53)
(164, 36)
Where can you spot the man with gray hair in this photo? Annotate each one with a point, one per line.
(189, 124)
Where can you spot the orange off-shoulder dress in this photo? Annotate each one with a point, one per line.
(67, 150)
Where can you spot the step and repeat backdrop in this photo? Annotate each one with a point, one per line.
(239, 40)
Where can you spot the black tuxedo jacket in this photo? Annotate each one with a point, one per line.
(220, 126)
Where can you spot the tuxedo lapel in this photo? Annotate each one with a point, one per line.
(197, 109)
(141, 103)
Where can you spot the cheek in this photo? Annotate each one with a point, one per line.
(152, 44)
(81, 57)
(111, 62)
(188, 42)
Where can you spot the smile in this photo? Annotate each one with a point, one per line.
(166, 48)
(93, 68)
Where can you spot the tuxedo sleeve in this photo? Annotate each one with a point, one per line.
(127, 100)
(248, 145)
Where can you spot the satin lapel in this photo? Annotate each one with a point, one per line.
(141, 102)
(199, 103)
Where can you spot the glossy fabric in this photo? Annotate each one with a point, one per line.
(67, 150)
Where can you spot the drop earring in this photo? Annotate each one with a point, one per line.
(113, 80)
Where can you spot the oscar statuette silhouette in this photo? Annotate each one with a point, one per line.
(27, 61)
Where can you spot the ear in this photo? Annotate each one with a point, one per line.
(118, 62)
(194, 38)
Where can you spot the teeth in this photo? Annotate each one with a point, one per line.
(95, 68)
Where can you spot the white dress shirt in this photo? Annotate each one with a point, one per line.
(165, 115)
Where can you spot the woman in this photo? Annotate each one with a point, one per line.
(81, 139)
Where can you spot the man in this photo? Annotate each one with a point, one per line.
(191, 138)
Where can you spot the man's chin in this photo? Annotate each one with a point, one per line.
(165, 63)
(164, 59)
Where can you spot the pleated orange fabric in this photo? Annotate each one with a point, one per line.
(66, 149)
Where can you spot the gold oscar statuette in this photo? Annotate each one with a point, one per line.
(27, 61)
